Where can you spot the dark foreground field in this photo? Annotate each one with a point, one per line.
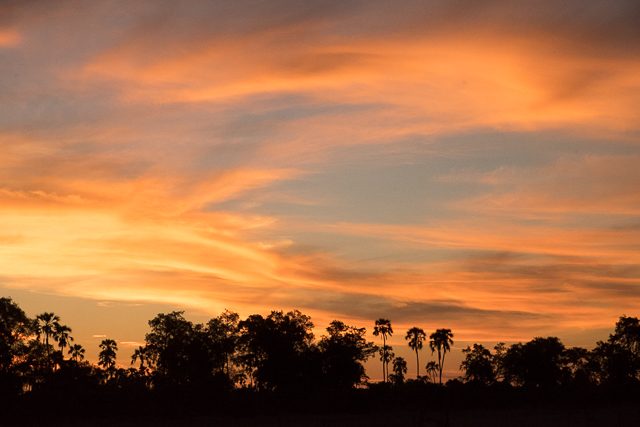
(546, 416)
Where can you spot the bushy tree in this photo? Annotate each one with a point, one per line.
(617, 365)
(15, 331)
(478, 365)
(537, 363)
(178, 351)
(276, 349)
(343, 351)
(223, 334)
(579, 367)
(15, 328)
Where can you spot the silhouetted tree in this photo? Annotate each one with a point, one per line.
(478, 365)
(76, 351)
(182, 365)
(178, 351)
(140, 355)
(617, 365)
(223, 335)
(618, 359)
(415, 337)
(627, 334)
(344, 351)
(432, 370)
(399, 370)
(107, 356)
(578, 367)
(383, 327)
(46, 326)
(537, 363)
(276, 349)
(441, 341)
(34, 365)
(62, 334)
(499, 354)
(15, 327)
(386, 356)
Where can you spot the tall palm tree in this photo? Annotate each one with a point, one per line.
(386, 356)
(77, 352)
(416, 337)
(62, 334)
(383, 327)
(441, 341)
(46, 324)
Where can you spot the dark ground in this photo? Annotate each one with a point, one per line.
(614, 416)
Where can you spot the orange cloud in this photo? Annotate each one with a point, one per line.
(446, 80)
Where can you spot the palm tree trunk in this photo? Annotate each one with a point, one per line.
(417, 365)
(439, 366)
(384, 358)
(442, 367)
(46, 339)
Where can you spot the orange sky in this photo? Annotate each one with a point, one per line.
(468, 164)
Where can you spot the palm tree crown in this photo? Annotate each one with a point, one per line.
(77, 352)
(107, 355)
(47, 323)
(432, 371)
(62, 334)
(140, 354)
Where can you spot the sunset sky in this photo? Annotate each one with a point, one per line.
(465, 164)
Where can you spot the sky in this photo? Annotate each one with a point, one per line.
(469, 164)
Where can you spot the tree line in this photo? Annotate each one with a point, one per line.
(279, 353)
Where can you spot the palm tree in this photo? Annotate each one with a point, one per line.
(441, 341)
(432, 371)
(399, 370)
(107, 355)
(77, 352)
(46, 324)
(140, 354)
(62, 334)
(386, 356)
(383, 327)
(416, 337)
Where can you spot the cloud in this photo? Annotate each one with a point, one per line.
(589, 184)
(432, 313)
